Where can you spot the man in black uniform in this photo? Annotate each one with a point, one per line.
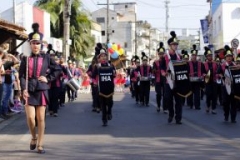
(145, 72)
(103, 75)
(169, 93)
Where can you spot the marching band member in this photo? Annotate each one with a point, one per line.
(229, 102)
(159, 79)
(129, 72)
(210, 82)
(145, 71)
(197, 71)
(34, 85)
(95, 92)
(104, 75)
(185, 57)
(135, 80)
(169, 94)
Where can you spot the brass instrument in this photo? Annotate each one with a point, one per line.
(207, 77)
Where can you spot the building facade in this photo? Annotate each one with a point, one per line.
(224, 22)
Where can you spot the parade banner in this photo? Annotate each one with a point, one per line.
(204, 26)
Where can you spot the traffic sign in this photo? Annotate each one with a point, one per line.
(235, 43)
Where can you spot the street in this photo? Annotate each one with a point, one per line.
(134, 133)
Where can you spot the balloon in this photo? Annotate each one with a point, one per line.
(109, 45)
(114, 47)
(121, 52)
(114, 55)
(119, 47)
(110, 50)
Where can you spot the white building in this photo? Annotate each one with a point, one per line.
(224, 22)
(121, 25)
(25, 15)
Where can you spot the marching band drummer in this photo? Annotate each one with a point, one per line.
(229, 102)
(135, 80)
(159, 79)
(197, 71)
(103, 75)
(170, 94)
(210, 82)
(185, 57)
(145, 72)
(34, 85)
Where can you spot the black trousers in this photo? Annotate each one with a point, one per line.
(159, 89)
(194, 98)
(132, 89)
(229, 105)
(95, 96)
(145, 91)
(169, 95)
(219, 93)
(70, 93)
(53, 97)
(211, 95)
(107, 104)
(137, 91)
(62, 95)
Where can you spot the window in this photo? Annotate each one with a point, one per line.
(112, 18)
(219, 23)
(101, 20)
(113, 31)
(103, 33)
(125, 45)
(126, 6)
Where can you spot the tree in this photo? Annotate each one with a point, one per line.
(80, 25)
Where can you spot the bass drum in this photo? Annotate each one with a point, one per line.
(228, 81)
(170, 78)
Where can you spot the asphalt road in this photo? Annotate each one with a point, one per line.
(134, 133)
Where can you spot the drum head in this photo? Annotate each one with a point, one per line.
(227, 81)
(170, 77)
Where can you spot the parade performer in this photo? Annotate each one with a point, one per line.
(197, 72)
(94, 87)
(130, 70)
(159, 79)
(210, 81)
(136, 80)
(229, 102)
(34, 85)
(145, 72)
(219, 82)
(104, 74)
(181, 86)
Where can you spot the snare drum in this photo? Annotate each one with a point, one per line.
(73, 84)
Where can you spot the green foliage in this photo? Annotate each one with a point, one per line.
(80, 25)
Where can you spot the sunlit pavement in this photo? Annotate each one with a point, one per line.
(135, 133)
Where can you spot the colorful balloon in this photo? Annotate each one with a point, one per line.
(114, 47)
(109, 45)
(110, 50)
(119, 47)
(114, 55)
(121, 51)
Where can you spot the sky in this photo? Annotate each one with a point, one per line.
(184, 14)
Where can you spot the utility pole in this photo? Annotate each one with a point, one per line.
(66, 34)
(135, 34)
(107, 40)
(14, 11)
(167, 15)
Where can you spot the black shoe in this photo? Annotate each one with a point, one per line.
(178, 122)
(110, 117)
(105, 123)
(33, 143)
(147, 105)
(207, 109)
(55, 115)
(198, 108)
(170, 120)
(214, 112)
(94, 110)
(41, 150)
(233, 121)
(158, 109)
(98, 110)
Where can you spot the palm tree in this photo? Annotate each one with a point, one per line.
(80, 25)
